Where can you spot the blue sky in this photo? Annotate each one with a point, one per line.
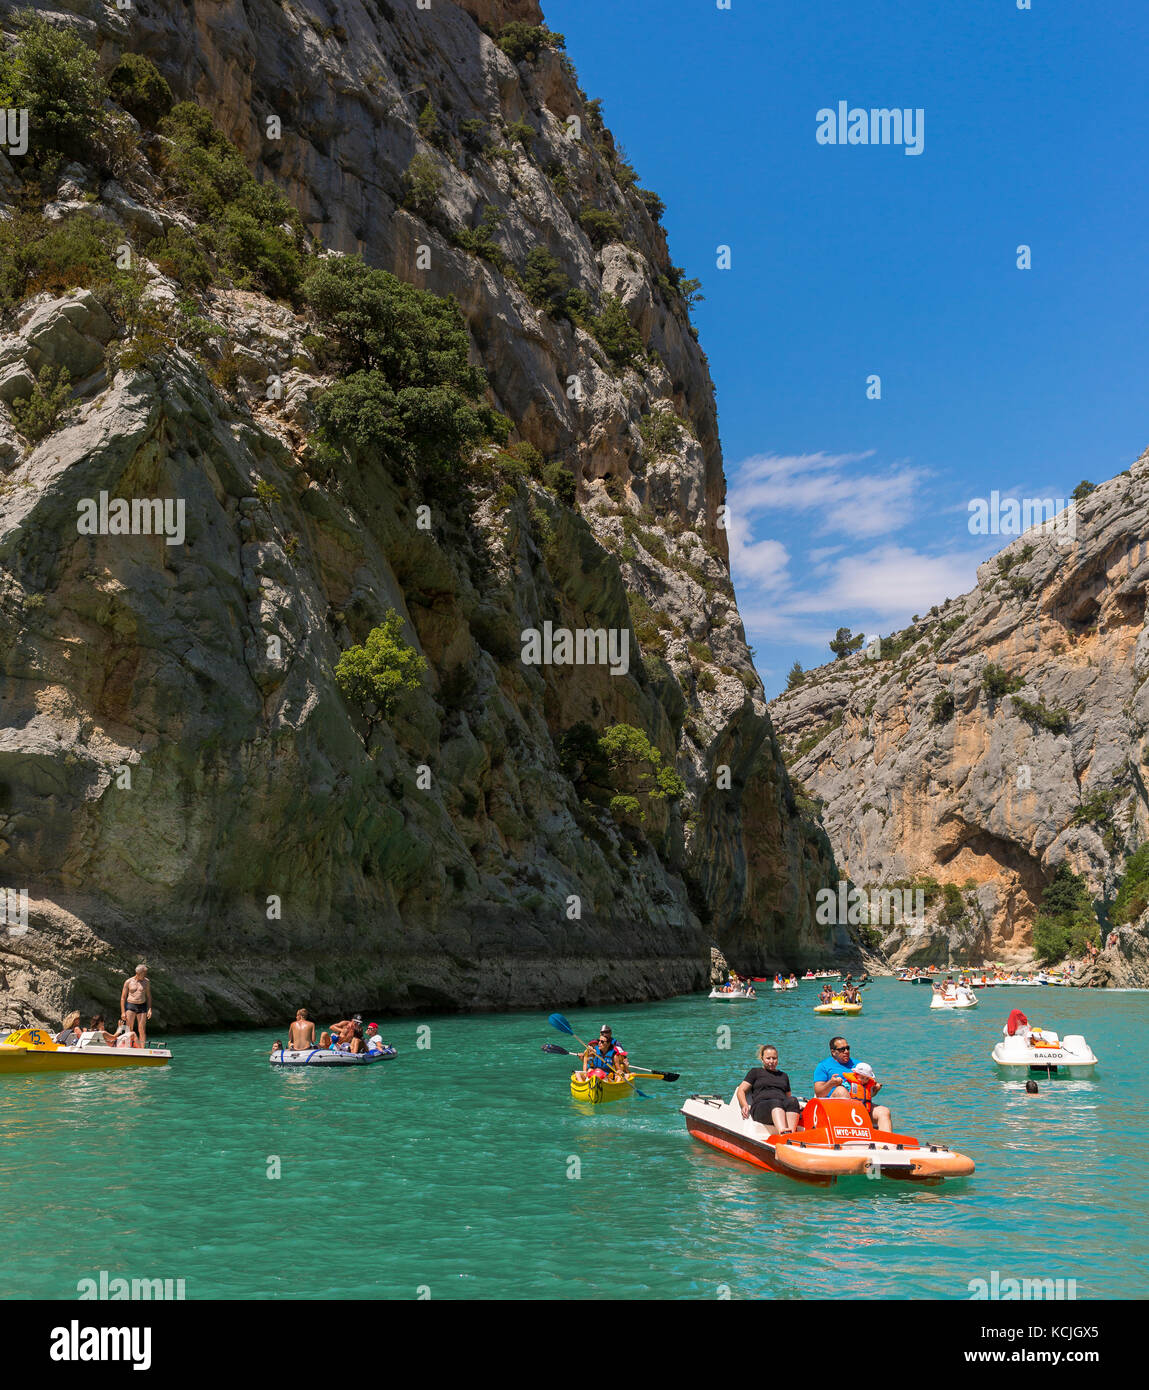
(857, 260)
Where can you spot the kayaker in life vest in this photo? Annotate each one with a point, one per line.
(598, 1059)
(765, 1094)
(830, 1080)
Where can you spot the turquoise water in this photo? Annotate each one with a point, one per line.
(446, 1169)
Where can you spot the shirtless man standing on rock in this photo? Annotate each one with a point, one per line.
(136, 1003)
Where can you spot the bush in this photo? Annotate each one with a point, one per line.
(430, 127)
(377, 675)
(996, 681)
(953, 909)
(942, 710)
(37, 415)
(520, 40)
(140, 89)
(1055, 720)
(480, 240)
(616, 335)
(523, 133)
(602, 227)
(267, 493)
(562, 482)
(180, 257)
(36, 255)
(845, 643)
(1133, 895)
(632, 758)
(1065, 923)
(52, 73)
(547, 286)
(815, 737)
(375, 322)
(653, 204)
(473, 134)
(422, 184)
(1082, 490)
(660, 431)
(795, 677)
(250, 227)
(580, 757)
(410, 397)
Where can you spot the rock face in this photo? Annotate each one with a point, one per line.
(924, 772)
(181, 780)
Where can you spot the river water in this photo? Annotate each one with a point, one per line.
(463, 1169)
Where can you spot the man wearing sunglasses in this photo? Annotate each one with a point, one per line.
(829, 1081)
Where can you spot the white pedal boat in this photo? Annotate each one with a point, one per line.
(836, 1141)
(1039, 1050)
(324, 1057)
(732, 994)
(958, 998)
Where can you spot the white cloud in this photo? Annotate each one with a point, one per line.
(866, 576)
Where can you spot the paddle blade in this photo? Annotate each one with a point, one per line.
(557, 1050)
(557, 1021)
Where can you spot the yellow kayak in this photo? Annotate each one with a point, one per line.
(595, 1090)
(31, 1050)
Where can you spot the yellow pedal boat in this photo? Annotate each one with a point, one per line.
(838, 1005)
(31, 1050)
(595, 1090)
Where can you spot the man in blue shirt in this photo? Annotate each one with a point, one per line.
(829, 1081)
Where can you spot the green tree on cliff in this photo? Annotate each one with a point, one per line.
(379, 674)
(845, 643)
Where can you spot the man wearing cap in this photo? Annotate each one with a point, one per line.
(374, 1041)
(830, 1082)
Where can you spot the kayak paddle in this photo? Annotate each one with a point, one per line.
(557, 1021)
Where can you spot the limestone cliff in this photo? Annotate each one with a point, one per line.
(180, 777)
(994, 739)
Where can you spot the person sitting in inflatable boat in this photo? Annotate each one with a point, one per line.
(840, 1077)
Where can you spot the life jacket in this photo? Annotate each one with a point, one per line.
(861, 1087)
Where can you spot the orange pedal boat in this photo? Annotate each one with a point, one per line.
(836, 1140)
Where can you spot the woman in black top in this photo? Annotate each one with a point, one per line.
(765, 1094)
